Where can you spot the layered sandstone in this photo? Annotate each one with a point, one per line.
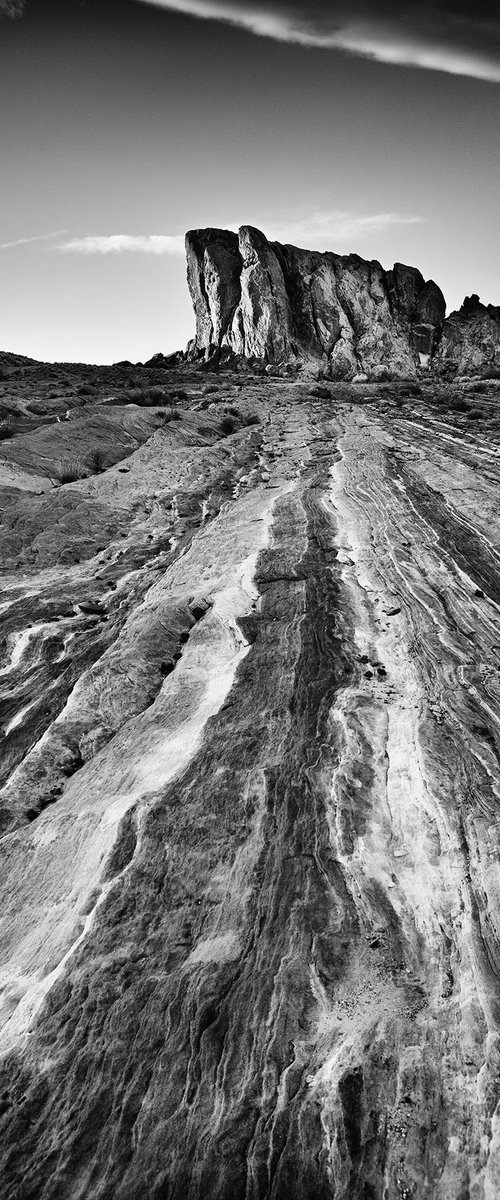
(250, 853)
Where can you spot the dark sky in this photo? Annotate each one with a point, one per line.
(123, 123)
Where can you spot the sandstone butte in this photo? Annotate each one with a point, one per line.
(250, 782)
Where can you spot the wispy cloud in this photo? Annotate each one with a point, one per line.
(459, 37)
(125, 243)
(317, 230)
(28, 241)
(328, 230)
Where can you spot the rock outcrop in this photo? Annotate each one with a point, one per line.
(470, 343)
(283, 304)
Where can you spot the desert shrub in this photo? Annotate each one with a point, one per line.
(6, 430)
(476, 414)
(85, 389)
(253, 419)
(210, 388)
(155, 394)
(227, 425)
(148, 397)
(457, 404)
(235, 412)
(169, 414)
(135, 395)
(180, 394)
(69, 470)
(206, 430)
(95, 461)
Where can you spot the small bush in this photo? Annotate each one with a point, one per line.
(235, 412)
(227, 426)
(69, 470)
(85, 389)
(95, 461)
(180, 394)
(6, 430)
(253, 419)
(169, 414)
(135, 395)
(459, 405)
(155, 394)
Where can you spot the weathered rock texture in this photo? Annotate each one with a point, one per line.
(471, 340)
(341, 313)
(250, 867)
(282, 304)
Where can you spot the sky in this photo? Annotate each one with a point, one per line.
(343, 125)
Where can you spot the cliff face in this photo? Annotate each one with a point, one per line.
(471, 340)
(283, 304)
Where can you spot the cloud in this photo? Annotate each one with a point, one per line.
(326, 230)
(121, 243)
(460, 37)
(320, 230)
(28, 241)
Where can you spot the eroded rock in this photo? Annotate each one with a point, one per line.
(284, 304)
(249, 870)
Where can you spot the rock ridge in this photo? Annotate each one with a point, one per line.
(341, 314)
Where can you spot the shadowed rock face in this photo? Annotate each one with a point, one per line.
(281, 303)
(250, 863)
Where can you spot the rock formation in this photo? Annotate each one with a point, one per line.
(250, 785)
(281, 304)
(340, 313)
(471, 340)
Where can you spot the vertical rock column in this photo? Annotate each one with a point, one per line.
(213, 273)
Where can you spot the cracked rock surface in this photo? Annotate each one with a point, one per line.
(250, 798)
